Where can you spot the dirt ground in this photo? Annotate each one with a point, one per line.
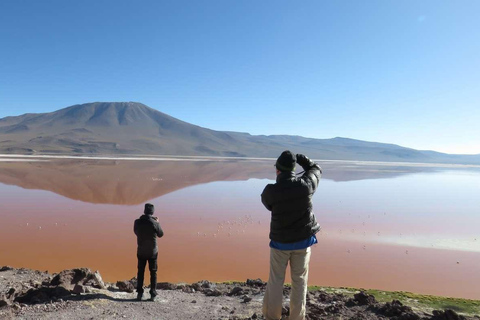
(81, 294)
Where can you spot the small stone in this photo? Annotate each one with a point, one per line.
(255, 283)
(188, 289)
(78, 289)
(236, 291)
(125, 286)
(212, 292)
(94, 280)
(166, 286)
(4, 302)
(6, 268)
(10, 292)
(194, 301)
(364, 299)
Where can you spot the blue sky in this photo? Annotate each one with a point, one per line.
(404, 72)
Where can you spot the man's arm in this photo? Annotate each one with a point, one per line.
(264, 199)
(135, 228)
(158, 229)
(313, 172)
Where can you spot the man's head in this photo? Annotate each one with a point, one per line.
(286, 162)
(149, 209)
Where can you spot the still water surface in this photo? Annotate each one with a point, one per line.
(384, 226)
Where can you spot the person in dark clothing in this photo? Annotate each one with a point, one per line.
(292, 232)
(147, 230)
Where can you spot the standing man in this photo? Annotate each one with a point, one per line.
(292, 232)
(147, 230)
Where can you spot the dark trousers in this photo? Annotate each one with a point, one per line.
(152, 266)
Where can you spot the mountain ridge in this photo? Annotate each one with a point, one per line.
(135, 128)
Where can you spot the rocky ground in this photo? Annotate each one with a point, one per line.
(82, 294)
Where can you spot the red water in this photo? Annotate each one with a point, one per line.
(219, 230)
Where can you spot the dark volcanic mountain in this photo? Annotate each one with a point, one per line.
(133, 128)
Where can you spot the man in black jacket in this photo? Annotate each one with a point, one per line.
(292, 232)
(147, 230)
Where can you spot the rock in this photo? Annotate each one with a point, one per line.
(212, 292)
(194, 301)
(207, 284)
(10, 292)
(94, 280)
(236, 291)
(202, 285)
(5, 268)
(16, 306)
(59, 292)
(188, 289)
(4, 301)
(398, 310)
(360, 316)
(310, 302)
(125, 286)
(42, 294)
(362, 298)
(69, 278)
(446, 315)
(337, 308)
(78, 289)
(22, 271)
(256, 283)
(197, 286)
(134, 281)
(166, 286)
(246, 299)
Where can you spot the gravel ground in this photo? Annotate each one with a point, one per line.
(81, 294)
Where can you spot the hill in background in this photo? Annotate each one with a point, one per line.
(133, 128)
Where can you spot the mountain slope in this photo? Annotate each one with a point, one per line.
(134, 128)
(118, 128)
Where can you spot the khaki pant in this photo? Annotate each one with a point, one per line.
(272, 302)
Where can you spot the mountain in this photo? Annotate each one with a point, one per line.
(134, 128)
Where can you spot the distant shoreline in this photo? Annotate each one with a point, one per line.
(23, 157)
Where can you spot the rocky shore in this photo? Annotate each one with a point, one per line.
(82, 294)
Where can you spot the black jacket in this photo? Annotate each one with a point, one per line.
(147, 230)
(290, 201)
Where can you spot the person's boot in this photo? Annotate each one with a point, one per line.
(139, 296)
(152, 296)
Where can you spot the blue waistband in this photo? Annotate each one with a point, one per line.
(294, 246)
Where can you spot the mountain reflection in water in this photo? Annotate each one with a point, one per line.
(136, 182)
(387, 226)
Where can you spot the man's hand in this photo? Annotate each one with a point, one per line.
(303, 160)
(155, 218)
